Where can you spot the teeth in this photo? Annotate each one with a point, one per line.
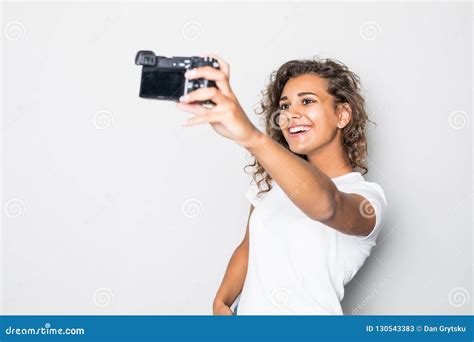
(299, 129)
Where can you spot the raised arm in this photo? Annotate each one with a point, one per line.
(312, 191)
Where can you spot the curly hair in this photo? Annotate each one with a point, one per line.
(344, 87)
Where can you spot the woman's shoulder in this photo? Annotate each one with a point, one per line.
(355, 180)
(257, 191)
(374, 195)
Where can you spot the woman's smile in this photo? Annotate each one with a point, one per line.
(298, 131)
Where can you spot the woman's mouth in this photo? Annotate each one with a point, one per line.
(298, 131)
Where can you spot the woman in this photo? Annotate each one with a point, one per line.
(313, 218)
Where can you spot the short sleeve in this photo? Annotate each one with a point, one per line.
(375, 196)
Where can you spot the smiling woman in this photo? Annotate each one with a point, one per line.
(333, 85)
(313, 217)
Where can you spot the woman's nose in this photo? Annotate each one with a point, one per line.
(294, 114)
(287, 116)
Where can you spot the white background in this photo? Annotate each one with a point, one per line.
(109, 206)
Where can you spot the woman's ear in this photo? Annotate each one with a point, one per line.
(344, 115)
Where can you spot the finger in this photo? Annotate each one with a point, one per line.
(192, 108)
(213, 74)
(203, 94)
(205, 118)
(222, 64)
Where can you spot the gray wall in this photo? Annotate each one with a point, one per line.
(109, 206)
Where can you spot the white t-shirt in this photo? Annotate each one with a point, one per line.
(298, 266)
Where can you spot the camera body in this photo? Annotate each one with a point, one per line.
(163, 77)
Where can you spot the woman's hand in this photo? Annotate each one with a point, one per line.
(227, 116)
(220, 309)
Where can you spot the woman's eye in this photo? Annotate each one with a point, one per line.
(305, 101)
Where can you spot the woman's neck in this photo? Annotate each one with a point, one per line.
(331, 159)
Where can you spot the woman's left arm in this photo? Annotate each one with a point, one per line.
(312, 191)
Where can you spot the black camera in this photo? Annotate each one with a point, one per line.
(163, 77)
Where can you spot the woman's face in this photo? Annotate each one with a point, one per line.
(307, 119)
